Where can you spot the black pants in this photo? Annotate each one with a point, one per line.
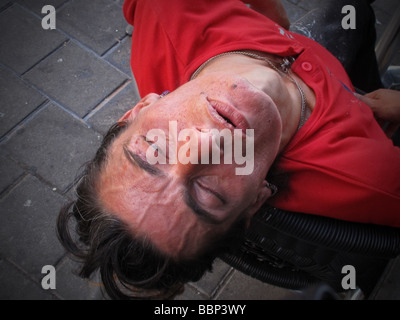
(354, 48)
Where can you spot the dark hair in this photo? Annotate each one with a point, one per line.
(130, 267)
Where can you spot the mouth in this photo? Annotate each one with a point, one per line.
(227, 115)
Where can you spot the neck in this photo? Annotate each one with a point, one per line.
(283, 92)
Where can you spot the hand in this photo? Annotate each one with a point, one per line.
(272, 9)
(385, 105)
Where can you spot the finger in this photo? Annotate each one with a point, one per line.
(367, 98)
(363, 98)
(372, 95)
(370, 102)
(377, 94)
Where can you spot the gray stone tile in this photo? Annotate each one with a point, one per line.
(309, 4)
(389, 287)
(37, 5)
(71, 287)
(54, 145)
(115, 108)
(120, 56)
(27, 226)
(16, 286)
(75, 78)
(99, 24)
(4, 4)
(17, 100)
(23, 41)
(294, 12)
(388, 6)
(191, 293)
(211, 280)
(119, 2)
(9, 172)
(242, 287)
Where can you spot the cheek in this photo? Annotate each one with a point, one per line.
(247, 95)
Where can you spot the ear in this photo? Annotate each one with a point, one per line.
(144, 102)
(262, 195)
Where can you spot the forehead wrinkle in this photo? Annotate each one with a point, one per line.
(162, 217)
(168, 224)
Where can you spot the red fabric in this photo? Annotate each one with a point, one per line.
(340, 164)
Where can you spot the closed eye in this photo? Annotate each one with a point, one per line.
(208, 195)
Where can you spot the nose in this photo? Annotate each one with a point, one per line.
(197, 147)
(211, 146)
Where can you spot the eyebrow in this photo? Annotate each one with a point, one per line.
(136, 160)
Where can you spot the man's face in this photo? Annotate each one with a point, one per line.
(179, 206)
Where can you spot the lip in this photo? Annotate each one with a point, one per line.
(223, 112)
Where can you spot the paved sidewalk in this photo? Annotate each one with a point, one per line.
(59, 92)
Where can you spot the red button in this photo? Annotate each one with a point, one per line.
(306, 66)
